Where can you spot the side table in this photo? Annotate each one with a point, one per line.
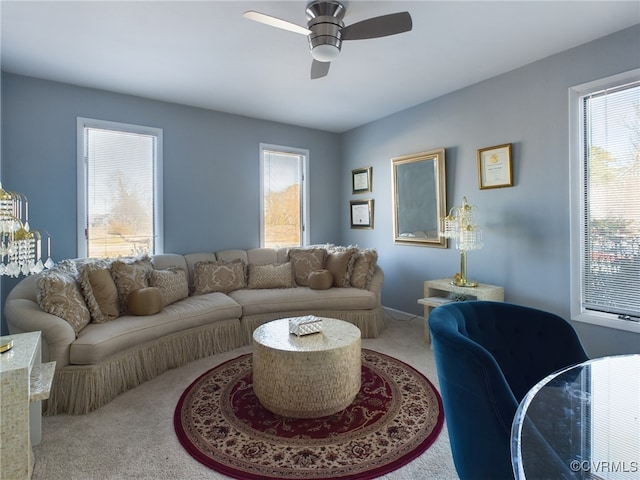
(24, 382)
(309, 376)
(436, 292)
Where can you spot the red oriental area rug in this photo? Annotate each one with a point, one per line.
(395, 417)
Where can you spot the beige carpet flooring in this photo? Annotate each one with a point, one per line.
(133, 437)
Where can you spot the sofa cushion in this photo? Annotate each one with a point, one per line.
(163, 261)
(230, 255)
(59, 295)
(99, 341)
(267, 256)
(172, 283)
(271, 276)
(129, 277)
(305, 261)
(145, 301)
(363, 268)
(283, 300)
(219, 276)
(262, 256)
(320, 279)
(100, 292)
(340, 264)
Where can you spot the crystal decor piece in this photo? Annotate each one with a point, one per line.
(461, 226)
(20, 247)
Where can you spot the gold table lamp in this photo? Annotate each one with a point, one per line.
(459, 225)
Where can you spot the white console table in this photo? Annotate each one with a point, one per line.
(24, 383)
(437, 292)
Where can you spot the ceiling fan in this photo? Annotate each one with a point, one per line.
(326, 30)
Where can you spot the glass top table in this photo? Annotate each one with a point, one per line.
(582, 422)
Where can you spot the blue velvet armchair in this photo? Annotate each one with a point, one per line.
(488, 355)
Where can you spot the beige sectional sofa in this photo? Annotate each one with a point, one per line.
(186, 307)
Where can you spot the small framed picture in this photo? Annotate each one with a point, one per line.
(361, 213)
(494, 167)
(361, 180)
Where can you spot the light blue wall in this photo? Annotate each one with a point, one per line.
(211, 174)
(211, 165)
(526, 227)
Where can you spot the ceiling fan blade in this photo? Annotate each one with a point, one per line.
(319, 69)
(275, 22)
(378, 27)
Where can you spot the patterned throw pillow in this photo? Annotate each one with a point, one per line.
(172, 284)
(219, 276)
(271, 276)
(129, 277)
(363, 268)
(340, 264)
(99, 291)
(59, 295)
(305, 261)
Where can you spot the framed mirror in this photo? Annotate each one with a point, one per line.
(419, 198)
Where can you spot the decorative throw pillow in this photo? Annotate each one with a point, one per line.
(69, 266)
(99, 291)
(142, 260)
(59, 295)
(305, 261)
(320, 279)
(363, 268)
(129, 277)
(340, 264)
(145, 301)
(172, 284)
(219, 276)
(271, 276)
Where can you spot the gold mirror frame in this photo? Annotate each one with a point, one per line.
(419, 198)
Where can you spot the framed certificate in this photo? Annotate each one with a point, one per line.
(361, 213)
(494, 167)
(361, 180)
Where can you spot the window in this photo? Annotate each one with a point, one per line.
(119, 189)
(283, 196)
(606, 202)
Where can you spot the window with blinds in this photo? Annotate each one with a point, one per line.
(119, 196)
(283, 196)
(611, 201)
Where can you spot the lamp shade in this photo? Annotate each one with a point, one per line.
(325, 52)
(460, 225)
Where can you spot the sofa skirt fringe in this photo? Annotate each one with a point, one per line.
(370, 322)
(80, 389)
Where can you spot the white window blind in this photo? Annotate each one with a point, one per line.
(611, 223)
(120, 190)
(283, 196)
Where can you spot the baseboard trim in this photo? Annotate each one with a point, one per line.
(400, 315)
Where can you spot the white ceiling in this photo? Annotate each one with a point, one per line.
(205, 54)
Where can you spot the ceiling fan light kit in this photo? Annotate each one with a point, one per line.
(326, 31)
(325, 52)
(325, 22)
